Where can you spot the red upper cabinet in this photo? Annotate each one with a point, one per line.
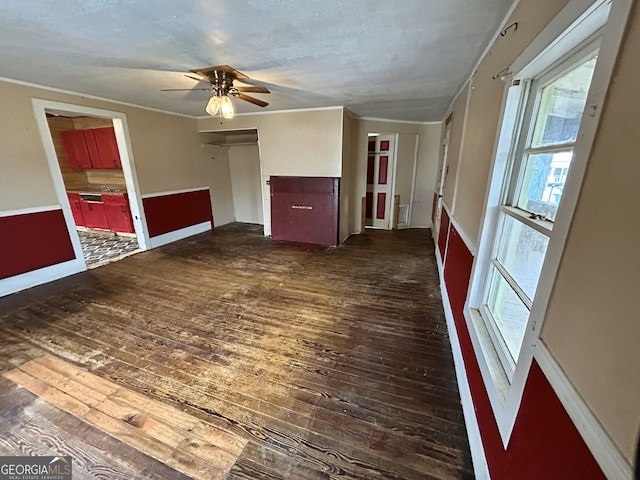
(107, 147)
(76, 149)
(92, 148)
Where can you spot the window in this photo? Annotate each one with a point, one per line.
(551, 108)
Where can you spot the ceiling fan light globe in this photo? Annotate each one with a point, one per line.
(226, 107)
(213, 106)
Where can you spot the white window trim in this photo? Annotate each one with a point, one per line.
(572, 26)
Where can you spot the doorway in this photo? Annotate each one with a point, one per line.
(443, 171)
(381, 159)
(90, 162)
(242, 156)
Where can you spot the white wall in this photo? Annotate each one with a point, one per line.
(218, 177)
(244, 168)
(426, 174)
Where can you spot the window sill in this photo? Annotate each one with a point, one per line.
(496, 371)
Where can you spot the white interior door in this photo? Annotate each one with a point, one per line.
(380, 171)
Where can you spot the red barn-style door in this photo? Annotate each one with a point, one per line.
(305, 209)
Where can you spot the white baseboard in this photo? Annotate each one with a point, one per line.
(602, 447)
(38, 277)
(480, 467)
(179, 234)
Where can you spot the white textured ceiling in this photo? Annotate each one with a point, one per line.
(396, 59)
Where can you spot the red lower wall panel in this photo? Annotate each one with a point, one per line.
(443, 231)
(32, 241)
(545, 443)
(166, 213)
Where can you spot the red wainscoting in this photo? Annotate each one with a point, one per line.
(32, 241)
(166, 213)
(544, 443)
(443, 231)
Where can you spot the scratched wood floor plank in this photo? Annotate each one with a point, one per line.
(163, 433)
(32, 426)
(323, 360)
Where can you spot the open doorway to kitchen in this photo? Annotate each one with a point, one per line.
(92, 172)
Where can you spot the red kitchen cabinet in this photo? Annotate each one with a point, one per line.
(94, 214)
(92, 148)
(76, 209)
(75, 146)
(107, 147)
(118, 213)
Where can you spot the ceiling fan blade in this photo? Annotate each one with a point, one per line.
(253, 89)
(197, 79)
(182, 89)
(250, 99)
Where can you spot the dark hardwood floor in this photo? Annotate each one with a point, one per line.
(330, 363)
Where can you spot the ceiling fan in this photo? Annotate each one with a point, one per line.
(221, 80)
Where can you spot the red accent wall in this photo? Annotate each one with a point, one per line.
(545, 443)
(443, 231)
(167, 213)
(32, 241)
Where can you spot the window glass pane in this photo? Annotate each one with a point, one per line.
(521, 251)
(541, 189)
(508, 311)
(561, 106)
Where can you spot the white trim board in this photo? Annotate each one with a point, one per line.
(42, 275)
(273, 112)
(174, 192)
(176, 235)
(471, 246)
(388, 120)
(478, 458)
(29, 210)
(92, 97)
(603, 448)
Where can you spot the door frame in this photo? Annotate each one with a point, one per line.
(121, 128)
(448, 126)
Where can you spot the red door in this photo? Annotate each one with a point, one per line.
(107, 147)
(75, 147)
(304, 209)
(118, 214)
